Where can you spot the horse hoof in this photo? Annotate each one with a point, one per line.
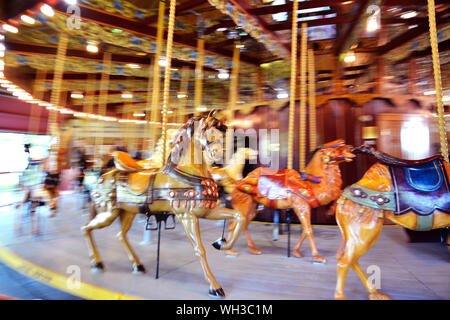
(232, 253)
(319, 260)
(255, 251)
(379, 296)
(219, 243)
(217, 293)
(138, 269)
(297, 254)
(97, 267)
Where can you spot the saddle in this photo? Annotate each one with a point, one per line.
(277, 184)
(421, 188)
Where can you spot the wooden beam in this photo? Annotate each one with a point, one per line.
(340, 41)
(312, 23)
(136, 27)
(288, 7)
(179, 8)
(38, 49)
(441, 18)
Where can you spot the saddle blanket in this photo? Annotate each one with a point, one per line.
(421, 189)
(277, 184)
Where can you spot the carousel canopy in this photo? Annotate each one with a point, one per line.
(354, 33)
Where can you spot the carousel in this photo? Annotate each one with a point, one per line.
(179, 150)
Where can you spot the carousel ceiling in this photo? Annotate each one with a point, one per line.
(127, 29)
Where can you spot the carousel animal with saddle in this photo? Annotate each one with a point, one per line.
(46, 193)
(183, 186)
(318, 185)
(414, 194)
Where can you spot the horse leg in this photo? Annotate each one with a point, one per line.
(101, 220)
(126, 219)
(239, 221)
(303, 211)
(191, 228)
(243, 203)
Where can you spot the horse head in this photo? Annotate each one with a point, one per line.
(335, 152)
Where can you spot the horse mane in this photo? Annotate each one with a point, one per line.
(157, 154)
(311, 155)
(178, 143)
(184, 137)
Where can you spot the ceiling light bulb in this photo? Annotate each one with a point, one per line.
(372, 24)
(282, 95)
(10, 28)
(47, 10)
(221, 29)
(71, 2)
(127, 95)
(92, 47)
(408, 15)
(27, 19)
(163, 62)
(76, 95)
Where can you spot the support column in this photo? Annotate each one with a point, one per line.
(234, 82)
(34, 122)
(57, 80)
(199, 75)
(312, 101)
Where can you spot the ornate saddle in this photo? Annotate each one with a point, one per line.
(277, 184)
(421, 188)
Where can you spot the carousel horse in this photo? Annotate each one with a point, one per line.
(318, 185)
(227, 176)
(414, 194)
(47, 194)
(184, 187)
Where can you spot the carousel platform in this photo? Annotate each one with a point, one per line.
(409, 271)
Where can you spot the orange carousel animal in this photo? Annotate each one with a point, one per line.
(412, 194)
(318, 185)
(184, 187)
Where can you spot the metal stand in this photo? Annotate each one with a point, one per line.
(288, 220)
(276, 225)
(157, 250)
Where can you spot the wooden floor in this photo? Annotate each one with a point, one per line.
(408, 270)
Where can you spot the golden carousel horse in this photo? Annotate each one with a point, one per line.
(184, 187)
(228, 175)
(414, 194)
(47, 194)
(318, 185)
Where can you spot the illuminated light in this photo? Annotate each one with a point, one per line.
(32, 101)
(138, 114)
(66, 111)
(2, 47)
(347, 2)
(45, 104)
(282, 95)
(221, 29)
(80, 114)
(350, 57)
(429, 93)
(240, 46)
(92, 47)
(10, 28)
(445, 98)
(415, 138)
(181, 95)
(173, 69)
(413, 26)
(71, 2)
(76, 95)
(27, 19)
(51, 108)
(3, 81)
(372, 24)
(223, 74)
(116, 30)
(133, 65)
(141, 53)
(127, 95)
(201, 109)
(163, 62)
(47, 10)
(168, 111)
(408, 15)
(92, 116)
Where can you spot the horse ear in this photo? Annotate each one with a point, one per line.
(212, 113)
